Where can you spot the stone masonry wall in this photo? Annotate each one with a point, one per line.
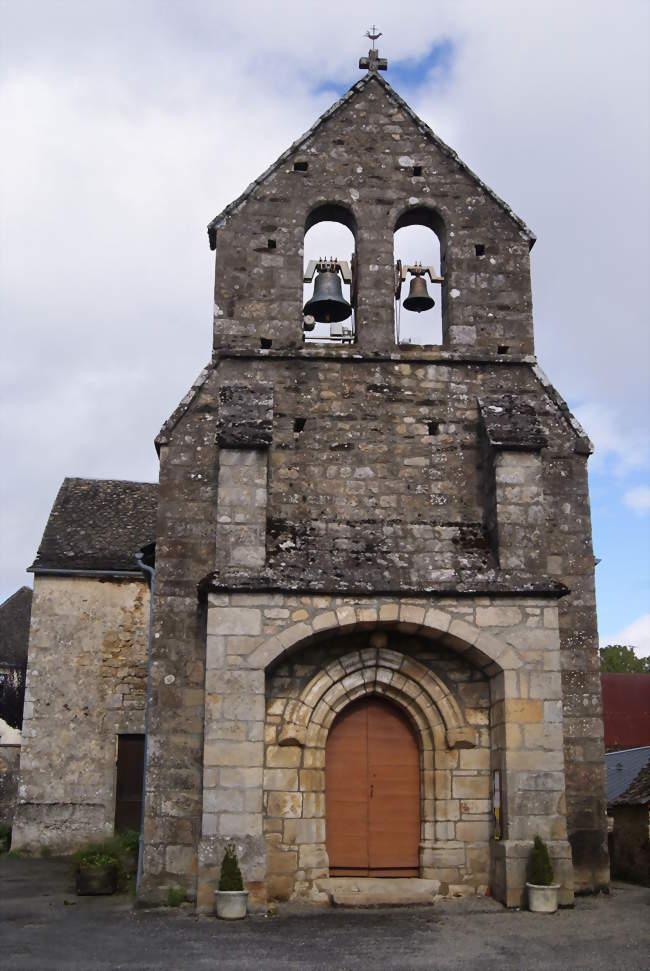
(9, 761)
(86, 682)
(515, 643)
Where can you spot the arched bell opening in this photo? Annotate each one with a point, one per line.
(419, 252)
(329, 253)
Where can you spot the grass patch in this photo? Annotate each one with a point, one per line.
(5, 838)
(175, 896)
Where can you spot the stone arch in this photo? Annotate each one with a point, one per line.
(376, 670)
(331, 211)
(478, 646)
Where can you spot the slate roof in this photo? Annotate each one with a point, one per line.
(423, 128)
(15, 614)
(638, 794)
(98, 524)
(623, 768)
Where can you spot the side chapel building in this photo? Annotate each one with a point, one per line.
(373, 644)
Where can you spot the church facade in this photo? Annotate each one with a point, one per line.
(373, 644)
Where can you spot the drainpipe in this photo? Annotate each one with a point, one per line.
(150, 571)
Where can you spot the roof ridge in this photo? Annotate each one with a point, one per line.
(162, 438)
(15, 594)
(622, 751)
(84, 478)
(336, 106)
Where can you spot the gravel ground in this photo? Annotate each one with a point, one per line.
(43, 925)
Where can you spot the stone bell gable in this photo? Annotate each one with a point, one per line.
(370, 520)
(358, 165)
(373, 562)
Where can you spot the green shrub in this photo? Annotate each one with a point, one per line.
(230, 878)
(130, 840)
(540, 868)
(175, 896)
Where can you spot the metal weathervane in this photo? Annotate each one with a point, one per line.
(373, 62)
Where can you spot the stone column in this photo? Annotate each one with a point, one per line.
(514, 508)
(519, 510)
(233, 746)
(527, 748)
(241, 510)
(233, 756)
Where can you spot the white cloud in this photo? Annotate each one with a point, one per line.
(128, 126)
(618, 443)
(636, 635)
(638, 499)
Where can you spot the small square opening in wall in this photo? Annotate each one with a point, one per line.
(503, 349)
(417, 170)
(270, 244)
(434, 427)
(300, 166)
(299, 424)
(266, 343)
(480, 249)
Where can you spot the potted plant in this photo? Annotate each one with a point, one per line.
(96, 871)
(542, 892)
(231, 898)
(106, 865)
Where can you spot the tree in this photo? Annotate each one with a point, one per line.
(619, 659)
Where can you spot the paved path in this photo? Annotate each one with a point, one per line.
(44, 926)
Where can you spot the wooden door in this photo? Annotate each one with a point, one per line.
(130, 773)
(372, 792)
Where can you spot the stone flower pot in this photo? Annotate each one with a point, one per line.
(231, 904)
(542, 900)
(96, 880)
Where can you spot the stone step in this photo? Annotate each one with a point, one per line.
(376, 892)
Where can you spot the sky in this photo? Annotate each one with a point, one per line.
(126, 126)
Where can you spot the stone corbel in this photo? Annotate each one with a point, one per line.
(461, 737)
(245, 418)
(292, 735)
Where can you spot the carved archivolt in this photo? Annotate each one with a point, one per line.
(422, 693)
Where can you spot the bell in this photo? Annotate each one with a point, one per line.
(418, 298)
(327, 304)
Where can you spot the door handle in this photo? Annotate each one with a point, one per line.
(372, 789)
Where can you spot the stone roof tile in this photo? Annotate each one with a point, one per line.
(98, 524)
(15, 615)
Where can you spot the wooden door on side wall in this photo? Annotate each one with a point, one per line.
(128, 789)
(372, 792)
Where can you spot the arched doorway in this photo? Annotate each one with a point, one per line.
(372, 792)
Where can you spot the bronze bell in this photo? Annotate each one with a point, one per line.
(327, 304)
(418, 298)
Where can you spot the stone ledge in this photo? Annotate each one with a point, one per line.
(493, 584)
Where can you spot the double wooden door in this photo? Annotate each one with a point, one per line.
(372, 783)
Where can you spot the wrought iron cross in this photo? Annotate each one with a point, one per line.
(373, 62)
